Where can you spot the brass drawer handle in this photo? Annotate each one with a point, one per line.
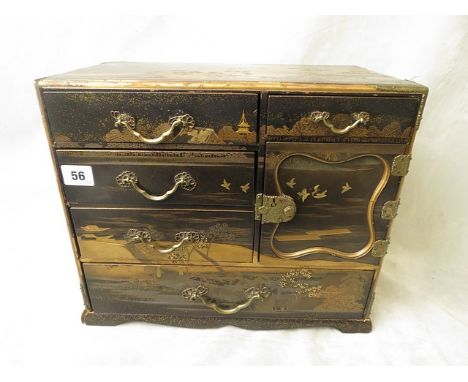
(174, 247)
(143, 236)
(183, 180)
(200, 292)
(361, 117)
(129, 122)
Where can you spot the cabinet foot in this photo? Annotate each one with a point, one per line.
(112, 319)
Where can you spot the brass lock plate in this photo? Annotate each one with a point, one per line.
(274, 209)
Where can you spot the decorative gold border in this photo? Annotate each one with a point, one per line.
(370, 209)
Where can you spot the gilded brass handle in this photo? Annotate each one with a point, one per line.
(174, 247)
(200, 292)
(361, 117)
(143, 236)
(183, 180)
(129, 122)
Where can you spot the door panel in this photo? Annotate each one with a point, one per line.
(339, 193)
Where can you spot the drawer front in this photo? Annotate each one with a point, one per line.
(214, 291)
(154, 178)
(341, 194)
(132, 119)
(163, 236)
(341, 119)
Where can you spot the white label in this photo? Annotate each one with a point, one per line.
(77, 175)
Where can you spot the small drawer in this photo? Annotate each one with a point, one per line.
(154, 178)
(341, 119)
(199, 291)
(144, 119)
(163, 236)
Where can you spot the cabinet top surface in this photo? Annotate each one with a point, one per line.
(145, 75)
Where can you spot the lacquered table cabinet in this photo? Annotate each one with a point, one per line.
(257, 196)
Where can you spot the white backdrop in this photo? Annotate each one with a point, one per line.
(421, 310)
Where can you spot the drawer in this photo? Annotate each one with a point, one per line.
(341, 119)
(240, 291)
(154, 178)
(133, 119)
(163, 236)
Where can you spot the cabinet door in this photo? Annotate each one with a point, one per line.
(341, 193)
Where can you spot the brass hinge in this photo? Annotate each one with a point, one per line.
(274, 209)
(390, 209)
(380, 247)
(400, 165)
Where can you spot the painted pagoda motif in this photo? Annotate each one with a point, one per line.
(243, 125)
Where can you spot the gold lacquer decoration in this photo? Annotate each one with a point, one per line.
(390, 209)
(291, 183)
(321, 194)
(128, 179)
(359, 118)
(317, 194)
(199, 242)
(274, 209)
(345, 188)
(380, 248)
(303, 194)
(243, 125)
(400, 165)
(200, 293)
(138, 236)
(245, 188)
(299, 279)
(343, 297)
(94, 228)
(129, 122)
(226, 185)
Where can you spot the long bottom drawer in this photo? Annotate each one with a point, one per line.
(202, 291)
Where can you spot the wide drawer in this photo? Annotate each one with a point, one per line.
(132, 119)
(168, 236)
(153, 178)
(341, 119)
(215, 291)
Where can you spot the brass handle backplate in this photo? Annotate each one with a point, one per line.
(129, 122)
(360, 117)
(183, 180)
(200, 293)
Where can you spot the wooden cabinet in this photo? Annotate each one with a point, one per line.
(258, 196)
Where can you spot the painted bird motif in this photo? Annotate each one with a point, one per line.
(303, 195)
(345, 188)
(245, 187)
(291, 183)
(226, 185)
(317, 194)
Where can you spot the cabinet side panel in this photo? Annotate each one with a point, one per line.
(83, 286)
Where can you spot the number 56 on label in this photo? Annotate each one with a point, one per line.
(77, 175)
